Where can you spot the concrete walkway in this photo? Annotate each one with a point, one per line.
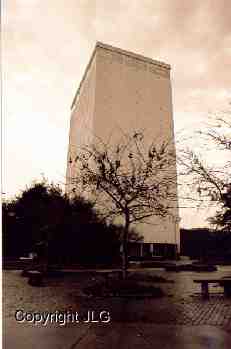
(114, 336)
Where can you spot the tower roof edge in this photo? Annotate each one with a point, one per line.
(101, 45)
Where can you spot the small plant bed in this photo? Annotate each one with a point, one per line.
(173, 267)
(198, 267)
(152, 264)
(148, 278)
(123, 288)
(54, 273)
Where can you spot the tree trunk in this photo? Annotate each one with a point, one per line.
(125, 247)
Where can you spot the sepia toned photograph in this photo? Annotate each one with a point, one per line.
(116, 174)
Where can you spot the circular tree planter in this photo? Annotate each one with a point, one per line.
(35, 278)
(123, 288)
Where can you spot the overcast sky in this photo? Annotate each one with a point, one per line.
(47, 44)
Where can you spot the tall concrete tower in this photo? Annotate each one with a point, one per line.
(121, 90)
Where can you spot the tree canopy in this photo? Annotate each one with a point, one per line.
(129, 179)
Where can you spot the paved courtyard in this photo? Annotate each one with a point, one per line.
(181, 319)
(194, 312)
(116, 336)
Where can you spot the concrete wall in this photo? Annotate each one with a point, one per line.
(81, 123)
(131, 93)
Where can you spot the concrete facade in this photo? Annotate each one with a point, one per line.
(121, 90)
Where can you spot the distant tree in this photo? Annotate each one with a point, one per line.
(9, 246)
(128, 180)
(33, 216)
(61, 230)
(222, 218)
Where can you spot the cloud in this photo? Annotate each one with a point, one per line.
(47, 44)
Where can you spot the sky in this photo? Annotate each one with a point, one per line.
(46, 46)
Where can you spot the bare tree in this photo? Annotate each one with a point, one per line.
(212, 182)
(129, 180)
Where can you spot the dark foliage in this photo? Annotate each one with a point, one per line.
(42, 216)
(222, 219)
(205, 243)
